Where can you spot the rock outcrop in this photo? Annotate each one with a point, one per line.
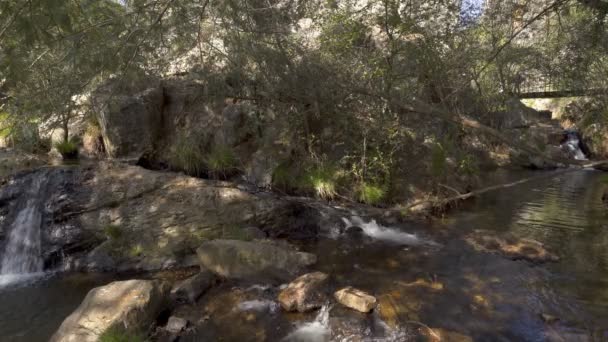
(124, 305)
(116, 217)
(150, 120)
(356, 299)
(242, 259)
(304, 293)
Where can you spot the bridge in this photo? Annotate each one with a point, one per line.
(543, 87)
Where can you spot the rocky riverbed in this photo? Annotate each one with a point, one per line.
(219, 260)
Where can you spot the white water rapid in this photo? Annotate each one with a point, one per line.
(315, 331)
(22, 254)
(386, 234)
(573, 145)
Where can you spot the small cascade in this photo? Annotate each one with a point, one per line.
(572, 144)
(22, 255)
(265, 305)
(315, 331)
(386, 234)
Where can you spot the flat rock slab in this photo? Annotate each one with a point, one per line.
(510, 246)
(304, 293)
(242, 259)
(356, 299)
(130, 305)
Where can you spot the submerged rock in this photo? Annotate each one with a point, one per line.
(130, 305)
(510, 246)
(356, 299)
(176, 324)
(243, 259)
(305, 293)
(189, 290)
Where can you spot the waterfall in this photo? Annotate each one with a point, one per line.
(22, 255)
(572, 144)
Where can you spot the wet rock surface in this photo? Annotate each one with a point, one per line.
(510, 246)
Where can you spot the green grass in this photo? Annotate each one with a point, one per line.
(322, 181)
(185, 155)
(118, 335)
(370, 194)
(67, 149)
(235, 232)
(438, 160)
(136, 251)
(221, 161)
(113, 232)
(282, 178)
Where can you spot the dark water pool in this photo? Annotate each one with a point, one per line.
(31, 311)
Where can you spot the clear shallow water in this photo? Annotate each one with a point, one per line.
(445, 284)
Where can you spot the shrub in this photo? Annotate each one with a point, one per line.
(185, 155)
(438, 161)
(67, 149)
(322, 181)
(370, 193)
(113, 232)
(221, 161)
(118, 335)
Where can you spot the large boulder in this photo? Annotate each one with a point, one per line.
(130, 306)
(155, 119)
(243, 259)
(130, 123)
(305, 293)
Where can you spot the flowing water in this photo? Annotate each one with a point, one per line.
(424, 276)
(573, 145)
(427, 276)
(22, 254)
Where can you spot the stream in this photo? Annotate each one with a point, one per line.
(426, 273)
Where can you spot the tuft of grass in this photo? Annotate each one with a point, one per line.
(234, 232)
(118, 335)
(370, 193)
(67, 149)
(113, 232)
(438, 161)
(322, 181)
(185, 155)
(282, 179)
(136, 250)
(221, 161)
